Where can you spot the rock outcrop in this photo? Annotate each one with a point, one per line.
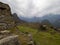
(6, 38)
(7, 23)
(11, 40)
(4, 9)
(6, 20)
(8, 29)
(17, 20)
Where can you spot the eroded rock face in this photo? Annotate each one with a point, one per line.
(6, 24)
(4, 9)
(6, 20)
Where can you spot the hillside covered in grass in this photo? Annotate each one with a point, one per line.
(50, 37)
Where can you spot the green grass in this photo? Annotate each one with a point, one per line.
(42, 38)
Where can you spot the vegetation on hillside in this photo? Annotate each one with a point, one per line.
(49, 37)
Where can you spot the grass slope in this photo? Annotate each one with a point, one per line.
(42, 38)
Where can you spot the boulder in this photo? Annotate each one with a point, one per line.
(10, 40)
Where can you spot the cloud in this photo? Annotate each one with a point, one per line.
(30, 8)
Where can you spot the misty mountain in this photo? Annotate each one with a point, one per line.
(57, 23)
(51, 17)
(17, 19)
(32, 19)
(45, 22)
(54, 19)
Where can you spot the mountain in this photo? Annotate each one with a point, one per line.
(17, 19)
(32, 19)
(57, 23)
(51, 17)
(54, 19)
(46, 22)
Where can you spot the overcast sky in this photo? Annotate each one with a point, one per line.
(30, 8)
